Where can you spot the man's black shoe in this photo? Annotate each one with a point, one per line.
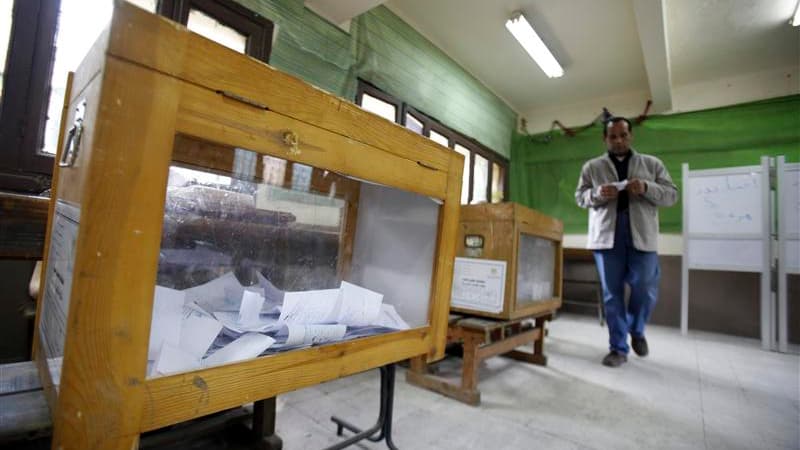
(614, 359)
(639, 346)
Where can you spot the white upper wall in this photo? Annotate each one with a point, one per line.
(719, 52)
(685, 55)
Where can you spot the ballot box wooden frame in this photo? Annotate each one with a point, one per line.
(499, 227)
(144, 82)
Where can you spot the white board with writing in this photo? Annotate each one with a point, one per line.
(726, 226)
(726, 217)
(790, 201)
(479, 284)
(725, 202)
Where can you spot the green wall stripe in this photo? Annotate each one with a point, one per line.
(387, 52)
(545, 167)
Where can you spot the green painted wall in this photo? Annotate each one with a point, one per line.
(387, 52)
(545, 167)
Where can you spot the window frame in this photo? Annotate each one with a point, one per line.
(365, 87)
(257, 28)
(26, 91)
(454, 137)
(24, 166)
(402, 109)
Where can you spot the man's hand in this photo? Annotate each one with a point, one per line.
(636, 186)
(608, 191)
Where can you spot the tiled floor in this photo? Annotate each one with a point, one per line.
(701, 391)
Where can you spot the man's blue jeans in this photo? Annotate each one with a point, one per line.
(624, 264)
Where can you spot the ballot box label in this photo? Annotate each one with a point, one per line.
(58, 282)
(478, 284)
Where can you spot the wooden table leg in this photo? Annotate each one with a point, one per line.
(537, 357)
(538, 345)
(477, 346)
(471, 361)
(418, 375)
(418, 365)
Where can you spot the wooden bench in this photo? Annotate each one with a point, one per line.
(24, 413)
(480, 339)
(25, 416)
(580, 274)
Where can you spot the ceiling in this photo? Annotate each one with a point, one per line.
(670, 51)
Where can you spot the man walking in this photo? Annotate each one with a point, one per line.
(623, 190)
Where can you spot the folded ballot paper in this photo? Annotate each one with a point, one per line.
(225, 294)
(296, 335)
(248, 346)
(221, 321)
(349, 305)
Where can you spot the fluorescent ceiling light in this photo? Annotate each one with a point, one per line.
(796, 18)
(532, 43)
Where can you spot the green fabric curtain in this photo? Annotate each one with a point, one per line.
(545, 167)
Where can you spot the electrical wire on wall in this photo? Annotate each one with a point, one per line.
(599, 120)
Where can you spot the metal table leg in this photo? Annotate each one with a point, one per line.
(383, 427)
(264, 424)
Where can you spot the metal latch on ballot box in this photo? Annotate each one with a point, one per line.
(73, 142)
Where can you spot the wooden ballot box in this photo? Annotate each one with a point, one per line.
(509, 262)
(221, 232)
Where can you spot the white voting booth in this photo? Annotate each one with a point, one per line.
(788, 182)
(728, 217)
(726, 227)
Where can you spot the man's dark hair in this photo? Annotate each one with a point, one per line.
(613, 120)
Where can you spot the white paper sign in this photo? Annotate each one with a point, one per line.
(479, 284)
(58, 278)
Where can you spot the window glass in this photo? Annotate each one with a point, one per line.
(79, 24)
(441, 139)
(375, 105)
(413, 124)
(480, 181)
(148, 5)
(535, 270)
(301, 177)
(6, 11)
(465, 177)
(205, 25)
(274, 170)
(498, 183)
(486, 167)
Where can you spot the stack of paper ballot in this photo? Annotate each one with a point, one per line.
(222, 322)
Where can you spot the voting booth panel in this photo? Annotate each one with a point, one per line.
(788, 180)
(510, 262)
(788, 183)
(221, 232)
(726, 213)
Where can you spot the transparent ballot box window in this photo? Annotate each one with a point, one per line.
(535, 269)
(261, 255)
